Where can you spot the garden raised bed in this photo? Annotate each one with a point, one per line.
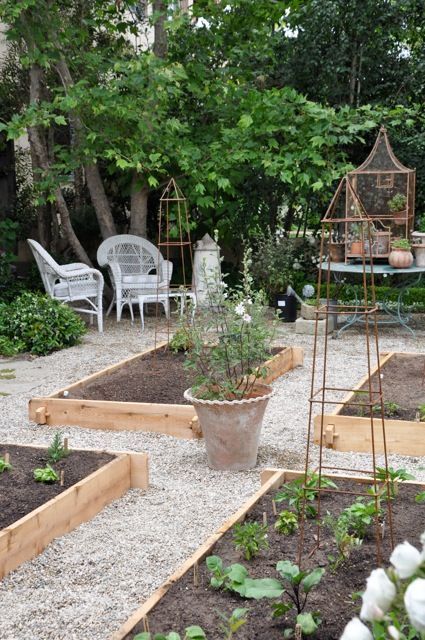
(403, 384)
(141, 393)
(33, 514)
(179, 602)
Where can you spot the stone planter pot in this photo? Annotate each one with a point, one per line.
(400, 258)
(231, 428)
(419, 250)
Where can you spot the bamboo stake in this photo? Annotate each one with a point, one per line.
(264, 518)
(274, 508)
(65, 444)
(196, 575)
(7, 457)
(62, 478)
(146, 624)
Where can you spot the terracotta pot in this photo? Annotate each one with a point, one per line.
(231, 428)
(337, 252)
(400, 258)
(400, 217)
(357, 248)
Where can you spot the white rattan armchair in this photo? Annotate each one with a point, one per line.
(71, 282)
(137, 268)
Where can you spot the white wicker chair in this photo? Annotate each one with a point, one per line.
(71, 282)
(137, 268)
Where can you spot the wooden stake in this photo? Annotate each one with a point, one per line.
(196, 575)
(65, 444)
(274, 508)
(298, 632)
(62, 478)
(7, 457)
(146, 624)
(265, 518)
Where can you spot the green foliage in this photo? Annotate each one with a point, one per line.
(4, 466)
(420, 497)
(10, 347)
(391, 408)
(40, 324)
(191, 633)
(301, 494)
(250, 537)
(421, 410)
(47, 475)
(395, 476)
(231, 624)
(401, 243)
(179, 341)
(413, 298)
(397, 202)
(56, 450)
(286, 522)
(235, 578)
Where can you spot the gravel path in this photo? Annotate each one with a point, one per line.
(88, 582)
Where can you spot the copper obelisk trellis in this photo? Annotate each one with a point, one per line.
(176, 247)
(322, 392)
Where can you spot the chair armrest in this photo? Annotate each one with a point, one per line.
(77, 273)
(74, 266)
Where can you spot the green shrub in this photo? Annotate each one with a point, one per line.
(413, 299)
(10, 347)
(38, 324)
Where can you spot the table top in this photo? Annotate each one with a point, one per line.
(357, 267)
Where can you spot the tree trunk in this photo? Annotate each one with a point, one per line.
(39, 148)
(139, 206)
(353, 77)
(160, 45)
(94, 181)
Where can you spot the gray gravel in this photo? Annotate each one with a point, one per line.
(85, 584)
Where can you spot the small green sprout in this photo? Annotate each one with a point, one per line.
(191, 633)
(57, 451)
(297, 495)
(395, 476)
(231, 624)
(250, 537)
(47, 475)
(420, 497)
(390, 408)
(4, 466)
(286, 522)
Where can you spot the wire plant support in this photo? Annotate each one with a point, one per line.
(323, 392)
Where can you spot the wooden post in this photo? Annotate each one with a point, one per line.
(65, 444)
(62, 478)
(7, 457)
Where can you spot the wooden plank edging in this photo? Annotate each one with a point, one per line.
(30, 535)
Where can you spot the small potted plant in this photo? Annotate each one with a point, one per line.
(227, 342)
(401, 256)
(419, 243)
(356, 239)
(397, 206)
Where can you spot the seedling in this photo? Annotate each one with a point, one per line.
(296, 495)
(231, 624)
(235, 578)
(395, 476)
(57, 451)
(286, 523)
(250, 537)
(47, 475)
(420, 497)
(191, 633)
(390, 408)
(4, 465)
(345, 541)
(422, 412)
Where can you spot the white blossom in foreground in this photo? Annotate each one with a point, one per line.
(406, 559)
(246, 318)
(393, 633)
(356, 630)
(379, 594)
(240, 309)
(414, 601)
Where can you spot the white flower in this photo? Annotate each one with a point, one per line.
(393, 633)
(240, 309)
(246, 318)
(248, 301)
(406, 559)
(379, 594)
(414, 601)
(356, 630)
(296, 266)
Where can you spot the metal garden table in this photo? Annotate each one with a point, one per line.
(396, 314)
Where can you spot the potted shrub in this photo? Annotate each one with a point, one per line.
(419, 243)
(397, 206)
(401, 256)
(355, 238)
(228, 341)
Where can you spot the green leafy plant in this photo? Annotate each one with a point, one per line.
(56, 450)
(286, 522)
(235, 578)
(397, 203)
(296, 494)
(231, 624)
(47, 475)
(345, 541)
(391, 408)
(402, 244)
(421, 410)
(395, 476)
(40, 324)
(300, 583)
(191, 633)
(250, 537)
(4, 466)
(420, 497)
(180, 341)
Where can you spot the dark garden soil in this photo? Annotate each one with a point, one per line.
(20, 493)
(403, 384)
(185, 604)
(158, 377)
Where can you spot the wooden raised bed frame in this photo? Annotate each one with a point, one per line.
(176, 420)
(353, 433)
(270, 479)
(28, 536)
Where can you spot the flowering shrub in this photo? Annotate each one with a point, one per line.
(228, 340)
(38, 324)
(394, 600)
(279, 261)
